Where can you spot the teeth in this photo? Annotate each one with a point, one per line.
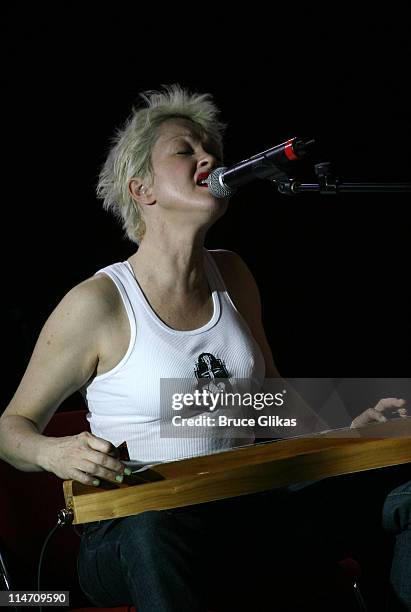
(202, 182)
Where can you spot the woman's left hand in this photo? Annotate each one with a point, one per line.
(390, 405)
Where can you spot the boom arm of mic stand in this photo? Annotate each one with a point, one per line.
(329, 184)
(293, 187)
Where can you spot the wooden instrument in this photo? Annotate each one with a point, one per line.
(242, 471)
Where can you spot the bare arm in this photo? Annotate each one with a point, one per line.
(64, 358)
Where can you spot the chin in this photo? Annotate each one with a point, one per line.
(207, 205)
(217, 205)
(219, 202)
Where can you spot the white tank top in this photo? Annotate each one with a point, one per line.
(124, 403)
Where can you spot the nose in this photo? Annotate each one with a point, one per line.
(208, 160)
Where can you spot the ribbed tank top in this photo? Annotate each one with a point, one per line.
(124, 403)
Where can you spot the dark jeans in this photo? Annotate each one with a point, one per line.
(258, 552)
(397, 521)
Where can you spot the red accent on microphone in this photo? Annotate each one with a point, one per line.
(289, 151)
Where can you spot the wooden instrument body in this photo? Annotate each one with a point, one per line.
(243, 470)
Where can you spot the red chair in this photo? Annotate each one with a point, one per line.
(29, 507)
(30, 503)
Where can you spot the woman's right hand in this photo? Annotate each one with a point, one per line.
(83, 457)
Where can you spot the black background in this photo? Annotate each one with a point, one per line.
(333, 271)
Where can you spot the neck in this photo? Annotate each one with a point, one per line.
(173, 262)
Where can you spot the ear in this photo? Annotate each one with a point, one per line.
(140, 192)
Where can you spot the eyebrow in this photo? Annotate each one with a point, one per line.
(209, 142)
(192, 136)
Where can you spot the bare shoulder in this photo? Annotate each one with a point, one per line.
(226, 257)
(88, 303)
(67, 350)
(97, 293)
(83, 314)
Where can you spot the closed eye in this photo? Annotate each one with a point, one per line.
(191, 152)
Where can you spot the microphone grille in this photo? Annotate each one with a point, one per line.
(217, 186)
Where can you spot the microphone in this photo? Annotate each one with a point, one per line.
(223, 182)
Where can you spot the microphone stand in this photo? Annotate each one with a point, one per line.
(329, 184)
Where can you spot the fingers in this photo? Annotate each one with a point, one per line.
(370, 415)
(99, 461)
(98, 444)
(102, 466)
(388, 403)
(375, 415)
(391, 404)
(85, 478)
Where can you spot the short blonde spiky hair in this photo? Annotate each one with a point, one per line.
(130, 155)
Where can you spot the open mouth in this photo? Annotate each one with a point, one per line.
(202, 179)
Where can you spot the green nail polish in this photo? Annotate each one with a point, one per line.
(127, 471)
(96, 482)
(119, 478)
